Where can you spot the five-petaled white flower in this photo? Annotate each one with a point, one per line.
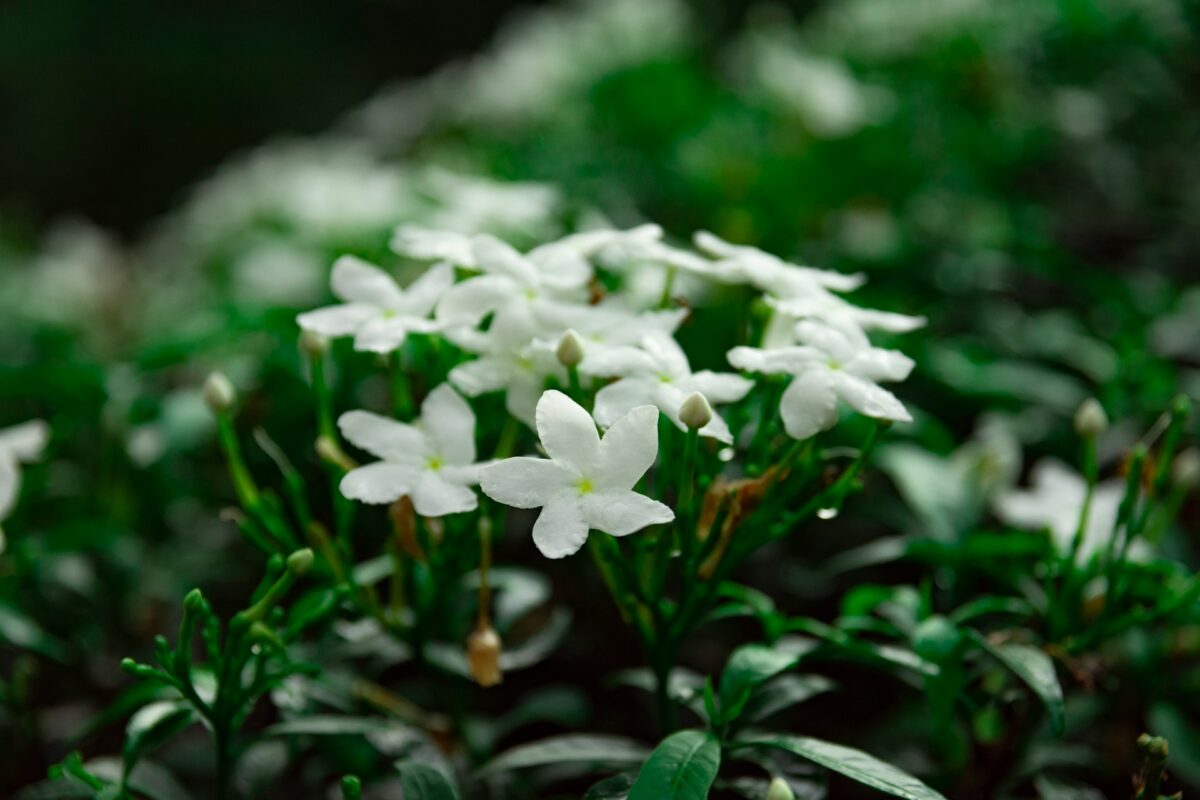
(431, 460)
(587, 482)
(1054, 502)
(659, 374)
(743, 264)
(831, 364)
(377, 312)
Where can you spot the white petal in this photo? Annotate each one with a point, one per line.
(522, 397)
(524, 482)
(717, 387)
(717, 429)
(628, 449)
(470, 301)
(867, 398)
(560, 530)
(356, 281)
(785, 360)
(384, 437)
(25, 442)
(667, 353)
(431, 245)
(340, 320)
(486, 374)
(567, 431)
(622, 513)
(10, 485)
(382, 335)
(887, 320)
(423, 294)
(499, 258)
(620, 397)
(449, 422)
(809, 404)
(380, 482)
(434, 496)
(877, 364)
(839, 344)
(608, 361)
(561, 267)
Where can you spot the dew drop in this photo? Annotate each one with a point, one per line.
(826, 513)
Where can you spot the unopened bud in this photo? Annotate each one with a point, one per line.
(1090, 419)
(300, 562)
(695, 411)
(194, 601)
(570, 349)
(219, 393)
(313, 344)
(483, 655)
(779, 790)
(1185, 472)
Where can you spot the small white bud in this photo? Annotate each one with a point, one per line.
(1185, 472)
(313, 344)
(1090, 419)
(779, 790)
(570, 349)
(695, 412)
(219, 393)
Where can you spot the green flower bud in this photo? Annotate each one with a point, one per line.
(300, 562)
(779, 790)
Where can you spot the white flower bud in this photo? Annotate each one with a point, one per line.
(695, 412)
(1090, 419)
(313, 344)
(570, 349)
(219, 393)
(779, 790)
(1185, 472)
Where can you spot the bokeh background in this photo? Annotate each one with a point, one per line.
(176, 178)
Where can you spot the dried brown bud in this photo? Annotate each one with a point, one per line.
(483, 655)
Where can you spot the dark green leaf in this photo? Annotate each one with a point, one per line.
(682, 767)
(615, 788)
(569, 748)
(748, 667)
(855, 764)
(423, 782)
(152, 726)
(1036, 669)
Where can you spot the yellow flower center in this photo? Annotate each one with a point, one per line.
(585, 486)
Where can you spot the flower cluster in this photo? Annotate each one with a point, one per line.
(560, 317)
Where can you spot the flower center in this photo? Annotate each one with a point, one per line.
(434, 463)
(585, 486)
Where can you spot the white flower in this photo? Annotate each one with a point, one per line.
(832, 364)
(19, 444)
(587, 482)
(610, 335)
(1054, 502)
(512, 286)
(658, 374)
(432, 460)
(377, 312)
(768, 273)
(511, 362)
(828, 307)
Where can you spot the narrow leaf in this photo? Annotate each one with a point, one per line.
(423, 782)
(1035, 668)
(568, 748)
(854, 764)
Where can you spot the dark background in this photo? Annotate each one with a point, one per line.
(112, 109)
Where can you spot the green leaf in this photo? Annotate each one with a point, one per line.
(747, 668)
(569, 748)
(1036, 669)
(614, 788)
(423, 782)
(682, 767)
(330, 725)
(783, 692)
(854, 764)
(151, 727)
